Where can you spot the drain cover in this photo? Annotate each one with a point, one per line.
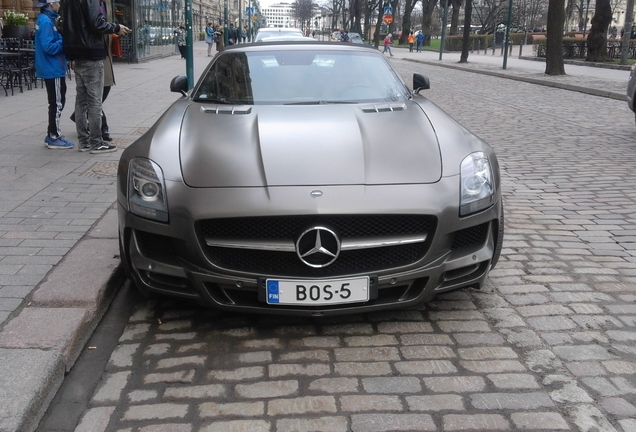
(101, 169)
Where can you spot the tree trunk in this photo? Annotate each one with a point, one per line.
(406, 20)
(394, 6)
(454, 22)
(597, 39)
(468, 12)
(376, 34)
(554, 48)
(428, 6)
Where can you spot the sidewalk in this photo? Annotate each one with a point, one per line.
(58, 225)
(599, 81)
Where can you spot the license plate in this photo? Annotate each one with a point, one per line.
(322, 292)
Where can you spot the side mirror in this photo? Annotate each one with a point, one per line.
(420, 82)
(179, 84)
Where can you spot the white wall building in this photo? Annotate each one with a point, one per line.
(279, 15)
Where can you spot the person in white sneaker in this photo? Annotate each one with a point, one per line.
(388, 41)
(50, 65)
(84, 27)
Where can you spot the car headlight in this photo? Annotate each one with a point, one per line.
(147, 190)
(477, 188)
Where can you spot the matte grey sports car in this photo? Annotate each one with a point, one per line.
(307, 179)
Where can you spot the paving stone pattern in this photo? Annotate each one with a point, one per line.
(50, 199)
(548, 346)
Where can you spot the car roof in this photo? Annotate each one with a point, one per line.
(285, 38)
(279, 30)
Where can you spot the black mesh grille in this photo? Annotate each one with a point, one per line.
(154, 245)
(288, 228)
(472, 236)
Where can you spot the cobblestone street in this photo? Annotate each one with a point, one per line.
(550, 345)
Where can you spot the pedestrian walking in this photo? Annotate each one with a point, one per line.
(419, 39)
(387, 44)
(411, 41)
(218, 38)
(209, 38)
(84, 28)
(232, 36)
(180, 35)
(50, 65)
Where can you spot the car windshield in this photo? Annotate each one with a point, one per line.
(300, 76)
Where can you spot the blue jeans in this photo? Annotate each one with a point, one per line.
(89, 79)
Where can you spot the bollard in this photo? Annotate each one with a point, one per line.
(520, 49)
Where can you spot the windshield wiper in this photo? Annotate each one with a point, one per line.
(223, 101)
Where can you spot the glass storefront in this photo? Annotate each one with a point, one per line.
(153, 23)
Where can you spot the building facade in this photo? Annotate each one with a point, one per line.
(153, 22)
(280, 15)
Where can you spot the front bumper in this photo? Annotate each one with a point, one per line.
(173, 258)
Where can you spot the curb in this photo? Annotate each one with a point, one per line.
(35, 355)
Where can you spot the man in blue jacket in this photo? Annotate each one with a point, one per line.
(83, 28)
(50, 65)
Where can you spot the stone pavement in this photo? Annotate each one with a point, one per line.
(58, 247)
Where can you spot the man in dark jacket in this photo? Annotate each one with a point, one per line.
(84, 27)
(232, 37)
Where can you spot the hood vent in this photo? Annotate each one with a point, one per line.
(227, 109)
(387, 107)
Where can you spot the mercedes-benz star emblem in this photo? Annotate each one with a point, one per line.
(318, 247)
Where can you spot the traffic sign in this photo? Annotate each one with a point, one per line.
(388, 19)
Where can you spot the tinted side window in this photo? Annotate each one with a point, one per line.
(228, 80)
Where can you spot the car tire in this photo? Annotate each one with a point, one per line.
(498, 240)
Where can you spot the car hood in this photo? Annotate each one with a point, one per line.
(334, 144)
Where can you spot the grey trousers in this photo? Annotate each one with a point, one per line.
(89, 79)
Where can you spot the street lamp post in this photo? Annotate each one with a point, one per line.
(189, 44)
(249, 21)
(629, 20)
(226, 26)
(507, 37)
(240, 22)
(444, 19)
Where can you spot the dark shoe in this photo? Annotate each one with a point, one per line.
(84, 148)
(106, 136)
(104, 148)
